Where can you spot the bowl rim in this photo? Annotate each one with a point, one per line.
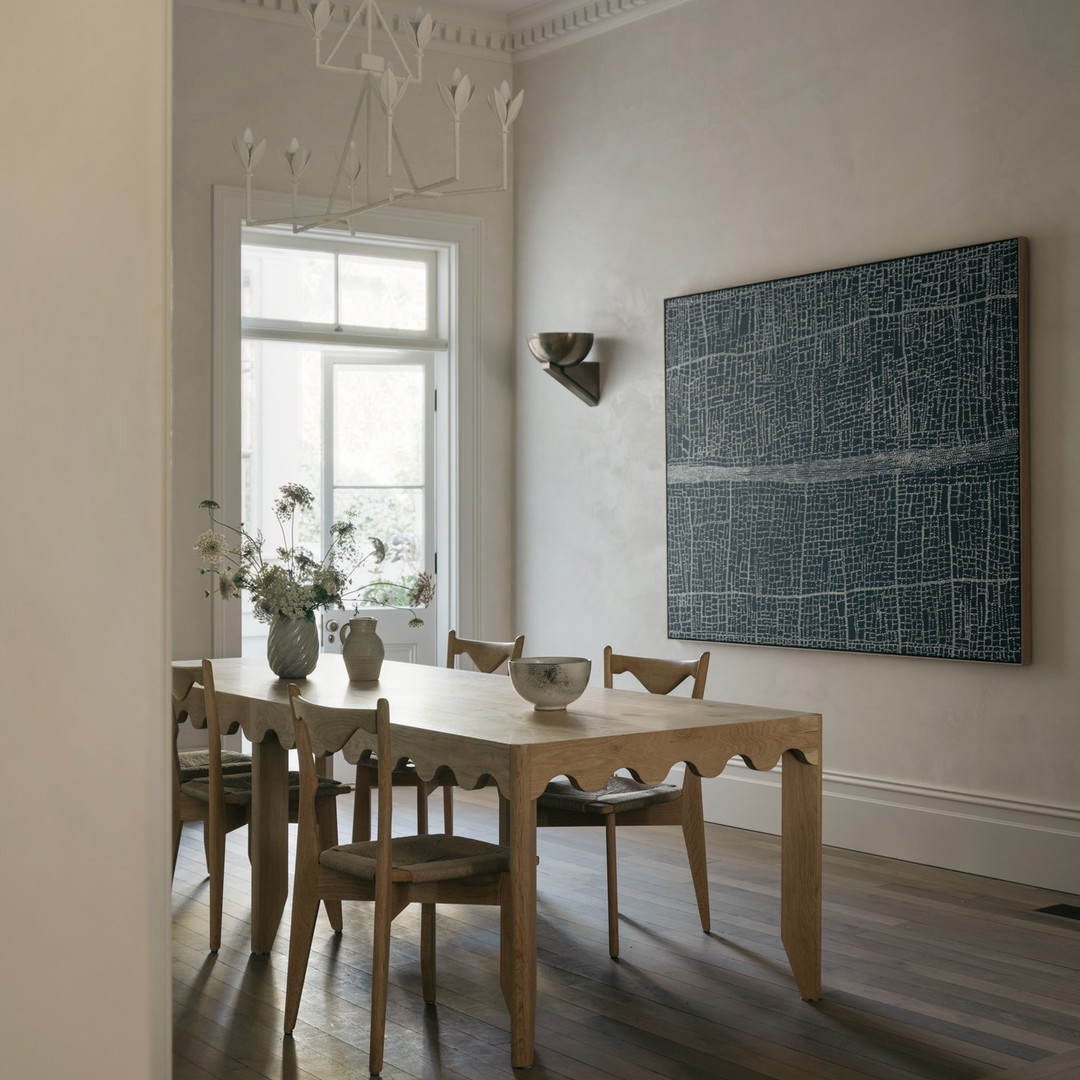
(549, 661)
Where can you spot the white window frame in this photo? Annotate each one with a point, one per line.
(433, 336)
(456, 239)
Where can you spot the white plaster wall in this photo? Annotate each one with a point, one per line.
(83, 305)
(233, 71)
(731, 141)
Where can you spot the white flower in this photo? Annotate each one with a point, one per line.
(213, 547)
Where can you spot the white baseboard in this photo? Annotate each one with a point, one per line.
(999, 838)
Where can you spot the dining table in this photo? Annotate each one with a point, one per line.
(478, 727)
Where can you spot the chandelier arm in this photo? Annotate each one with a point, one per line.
(390, 153)
(460, 191)
(393, 41)
(405, 162)
(305, 223)
(369, 110)
(315, 221)
(361, 8)
(345, 148)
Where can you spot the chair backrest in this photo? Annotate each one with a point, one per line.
(657, 676)
(321, 730)
(485, 655)
(194, 699)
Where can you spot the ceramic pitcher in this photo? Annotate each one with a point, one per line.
(362, 649)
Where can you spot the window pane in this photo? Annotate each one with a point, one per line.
(387, 293)
(395, 516)
(282, 410)
(378, 424)
(279, 283)
(281, 421)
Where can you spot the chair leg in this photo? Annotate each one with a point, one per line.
(326, 815)
(448, 810)
(612, 887)
(427, 952)
(693, 828)
(422, 791)
(361, 819)
(215, 862)
(178, 828)
(380, 977)
(305, 909)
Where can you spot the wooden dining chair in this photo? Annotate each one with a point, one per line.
(221, 796)
(198, 789)
(392, 871)
(624, 801)
(486, 656)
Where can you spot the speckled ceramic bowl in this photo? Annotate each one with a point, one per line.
(550, 682)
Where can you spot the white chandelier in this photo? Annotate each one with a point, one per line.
(354, 191)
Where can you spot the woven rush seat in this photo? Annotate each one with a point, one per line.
(195, 764)
(620, 793)
(238, 788)
(431, 857)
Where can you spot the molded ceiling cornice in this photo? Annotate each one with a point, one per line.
(555, 23)
(537, 29)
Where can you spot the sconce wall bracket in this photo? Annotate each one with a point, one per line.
(561, 356)
(581, 379)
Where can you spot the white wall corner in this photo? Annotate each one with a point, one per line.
(998, 838)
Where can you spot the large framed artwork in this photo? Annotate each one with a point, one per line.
(846, 458)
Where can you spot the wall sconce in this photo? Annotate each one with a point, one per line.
(561, 357)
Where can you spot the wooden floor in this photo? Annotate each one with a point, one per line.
(928, 974)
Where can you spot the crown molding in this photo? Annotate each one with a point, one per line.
(465, 33)
(553, 24)
(538, 29)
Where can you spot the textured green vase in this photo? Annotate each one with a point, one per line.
(292, 649)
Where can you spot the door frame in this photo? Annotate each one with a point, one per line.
(457, 419)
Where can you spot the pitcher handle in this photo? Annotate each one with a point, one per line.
(343, 633)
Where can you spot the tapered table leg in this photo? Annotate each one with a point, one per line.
(800, 877)
(269, 841)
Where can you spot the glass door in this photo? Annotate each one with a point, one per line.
(356, 427)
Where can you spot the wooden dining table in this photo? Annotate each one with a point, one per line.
(477, 726)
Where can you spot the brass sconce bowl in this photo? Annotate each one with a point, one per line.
(562, 350)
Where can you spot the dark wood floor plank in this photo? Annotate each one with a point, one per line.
(1060, 1067)
(929, 975)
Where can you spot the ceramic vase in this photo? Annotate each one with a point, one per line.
(362, 649)
(292, 649)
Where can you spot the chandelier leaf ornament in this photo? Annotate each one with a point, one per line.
(382, 174)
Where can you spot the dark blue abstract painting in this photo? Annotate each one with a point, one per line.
(845, 458)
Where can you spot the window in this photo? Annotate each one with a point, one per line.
(449, 246)
(339, 351)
